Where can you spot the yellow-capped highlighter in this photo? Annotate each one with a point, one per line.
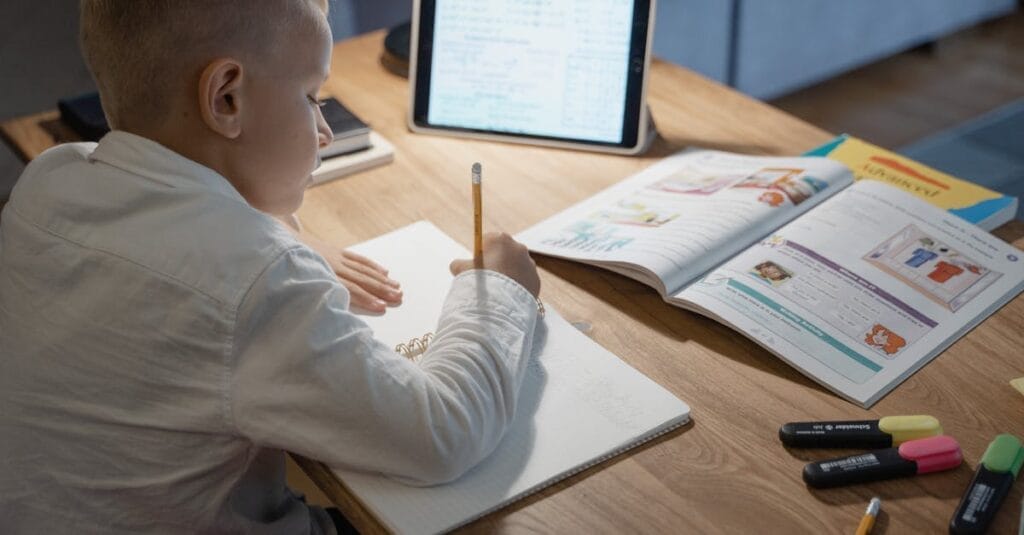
(884, 433)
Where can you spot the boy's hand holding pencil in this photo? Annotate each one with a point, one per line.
(497, 251)
(506, 256)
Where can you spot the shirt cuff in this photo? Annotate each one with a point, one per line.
(492, 291)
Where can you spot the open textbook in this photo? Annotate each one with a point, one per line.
(855, 285)
(579, 404)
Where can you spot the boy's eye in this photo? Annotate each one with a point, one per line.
(314, 101)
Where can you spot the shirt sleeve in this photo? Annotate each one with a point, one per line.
(309, 377)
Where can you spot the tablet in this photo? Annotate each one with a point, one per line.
(567, 73)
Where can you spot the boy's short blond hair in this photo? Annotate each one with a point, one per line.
(141, 51)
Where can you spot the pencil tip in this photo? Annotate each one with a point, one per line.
(476, 172)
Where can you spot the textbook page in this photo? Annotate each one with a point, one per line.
(579, 403)
(675, 220)
(864, 290)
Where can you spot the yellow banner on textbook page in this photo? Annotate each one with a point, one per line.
(873, 162)
(962, 198)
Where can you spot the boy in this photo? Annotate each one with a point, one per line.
(163, 339)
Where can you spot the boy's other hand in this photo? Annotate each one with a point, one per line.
(508, 257)
(367, 281)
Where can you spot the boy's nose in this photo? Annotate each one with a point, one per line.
(324, 134)
(325, 138)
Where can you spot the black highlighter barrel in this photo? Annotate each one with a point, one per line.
(874, 466)
(981, 501)
(863, 434)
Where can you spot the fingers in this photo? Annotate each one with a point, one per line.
(362, 260)
(362, 299)
(458, 266)
(368, 268)
(375, 287)
(502, 239)
(367, 281)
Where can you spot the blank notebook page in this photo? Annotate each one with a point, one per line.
(579, 404)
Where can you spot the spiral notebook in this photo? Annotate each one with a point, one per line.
(579, 405)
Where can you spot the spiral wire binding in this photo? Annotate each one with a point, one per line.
(415, 347)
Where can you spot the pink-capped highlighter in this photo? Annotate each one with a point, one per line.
(921, 456)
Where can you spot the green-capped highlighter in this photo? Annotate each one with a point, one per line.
(992, 481)
(870, 434)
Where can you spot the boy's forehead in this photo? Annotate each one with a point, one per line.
(304, 54)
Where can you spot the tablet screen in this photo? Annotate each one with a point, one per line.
(552, 69)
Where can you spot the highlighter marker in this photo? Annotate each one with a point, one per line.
(914, 457)
(869, 434)
(992, 481)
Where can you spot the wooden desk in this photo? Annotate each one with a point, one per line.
(726, 472)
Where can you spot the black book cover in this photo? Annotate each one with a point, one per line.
(84, 115)
(350, 132)
(343, 122)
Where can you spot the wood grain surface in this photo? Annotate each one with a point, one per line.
(726, 472)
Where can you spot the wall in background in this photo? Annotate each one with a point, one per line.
(353, 17)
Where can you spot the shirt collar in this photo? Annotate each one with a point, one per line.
(145, 157)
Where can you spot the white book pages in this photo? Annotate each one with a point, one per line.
(580, 404)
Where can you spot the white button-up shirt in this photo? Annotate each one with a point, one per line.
(162, 342)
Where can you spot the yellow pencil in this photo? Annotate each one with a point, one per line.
(868, 521)
(478, 219)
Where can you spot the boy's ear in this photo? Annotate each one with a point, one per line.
(220, 99)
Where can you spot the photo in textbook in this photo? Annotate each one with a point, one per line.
(935, 269)
(856, 285)
(663, 202)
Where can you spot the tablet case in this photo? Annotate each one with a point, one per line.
(646, 130)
